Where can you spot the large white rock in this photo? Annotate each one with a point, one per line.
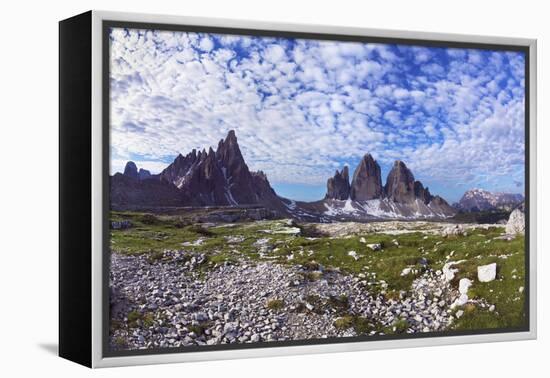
(487, 273)
(516, 223)
(463, 285)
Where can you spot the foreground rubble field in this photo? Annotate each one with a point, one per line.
(178, 283)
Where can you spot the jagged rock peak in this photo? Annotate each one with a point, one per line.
(229, 152)
(144, 174)
(367, 180)
(422, 193)
(260, 174)
(400, 184)
(131, 170)
(338, 186)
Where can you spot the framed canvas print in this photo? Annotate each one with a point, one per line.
(234, 189)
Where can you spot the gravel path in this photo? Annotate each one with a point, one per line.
(171, 301)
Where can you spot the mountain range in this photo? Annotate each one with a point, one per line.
(483, 200)
(222, 178)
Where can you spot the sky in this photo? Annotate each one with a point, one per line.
(303, 108)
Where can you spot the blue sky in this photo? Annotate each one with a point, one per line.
(303, 108)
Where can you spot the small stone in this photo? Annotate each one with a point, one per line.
(459, 313)
(492, 308)
(375, 246)
(200, 316)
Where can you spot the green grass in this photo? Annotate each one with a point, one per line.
(318, 252)
(360, 325)
(135, 318)
(199, 328)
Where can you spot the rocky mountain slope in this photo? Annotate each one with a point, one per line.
(483, 200)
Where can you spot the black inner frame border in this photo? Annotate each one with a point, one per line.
(105, 321)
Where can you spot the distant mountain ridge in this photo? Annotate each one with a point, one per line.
(221, 177)
(483, 200)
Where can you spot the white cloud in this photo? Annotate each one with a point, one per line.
(302, 109)
(206, 44)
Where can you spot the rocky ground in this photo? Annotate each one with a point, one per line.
(174, 305)
(175, 284)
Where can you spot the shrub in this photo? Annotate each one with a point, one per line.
(343, 323)
(199, 329)
(155, 256)
(401, 325)
(148, 219)
(360, 324)
(198, 229)
(135, 317)
(340, 304)
(180, 223)
(275, 304)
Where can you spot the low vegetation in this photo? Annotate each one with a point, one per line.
(275, 304)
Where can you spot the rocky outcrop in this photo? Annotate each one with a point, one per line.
(144, 174)
(401, 198)
(130, 170)
(516, 223)
(400, 184)
(367, 182)
(422, 193)
(178, 171)
(338, 186)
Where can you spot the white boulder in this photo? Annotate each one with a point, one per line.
(487, 273)
(463, 285)
(516, 223)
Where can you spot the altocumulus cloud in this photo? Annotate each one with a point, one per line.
(302, 108)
